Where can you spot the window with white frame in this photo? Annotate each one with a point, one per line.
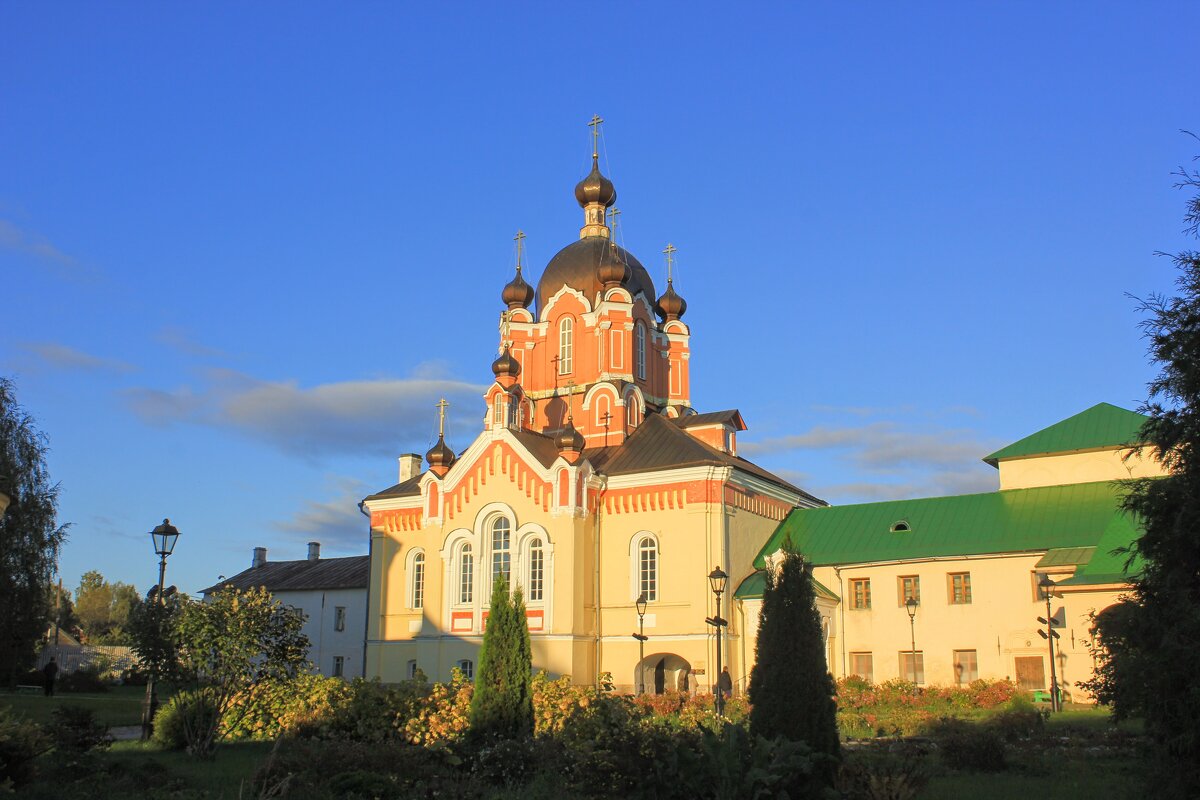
(466, 574)
(410, 671)
(502, 549)
(467, 667)
(537, 570)
(416, 580)
(566, 345)
(647, 568)
(639, 349)
(339, 666)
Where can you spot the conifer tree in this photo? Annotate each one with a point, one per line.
(791, 691)
(502, 705)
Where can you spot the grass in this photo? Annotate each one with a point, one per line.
(119, 706)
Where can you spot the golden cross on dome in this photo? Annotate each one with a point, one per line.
(442, 405)
(670, 251)
(505, 324)
(570, 399)
(595, 126)
(520, 240)
(614, 213)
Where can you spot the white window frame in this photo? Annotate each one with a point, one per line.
(490, 532)
(536, 546)
(635, 565)
(467, 667)
(566, 345)
(464, 574)
(415, 572)
(339, 667)
(639, 349)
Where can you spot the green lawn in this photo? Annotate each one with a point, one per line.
(1067, 779)
(121, 705)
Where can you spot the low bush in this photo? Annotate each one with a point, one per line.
(1020, 719)
(969, 747)
(84, 679)
(902, 708)
(896, 771)
(365, 711)
(74, 729)
(21, 741)
(178, 722)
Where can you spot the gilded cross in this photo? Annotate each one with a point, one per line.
(570, 399)
(520, 240)
(555, 361)
(505, 325)
(670, 251)
(614, 213)
(595, 126)
(607, 418)
(442, 405)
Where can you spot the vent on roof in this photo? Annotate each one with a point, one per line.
(900, 526)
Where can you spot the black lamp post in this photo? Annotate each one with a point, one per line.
(164, 537)
(641, 637)
(1047, 587)
(910, 605)
(716, 580)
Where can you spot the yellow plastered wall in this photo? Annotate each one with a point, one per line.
(1084, 467)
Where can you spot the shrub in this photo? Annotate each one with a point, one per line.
(194, 710)
(270, 708)
(84, 679)
(897, 772)
(367, 711)
(75, 729)
(21, 741)
(969, 747)
(443, 715)
(1019, 720)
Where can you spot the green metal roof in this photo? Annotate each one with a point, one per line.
(754, 584)
(1102, 425)
(1066, 557)
(1011, 521)
(1108, 564)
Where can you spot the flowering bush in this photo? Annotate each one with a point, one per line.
(444, 715)
(901, 707)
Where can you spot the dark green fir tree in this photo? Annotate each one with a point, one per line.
(502, 706)
(791, 691)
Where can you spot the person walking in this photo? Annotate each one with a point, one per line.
(50, 672)
(725, 684)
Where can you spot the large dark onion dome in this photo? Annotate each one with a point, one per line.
(595, 188)
(517, 293)
(670, 306)
(579, 264)
(505, 364)
(440, 455)
(569, 438)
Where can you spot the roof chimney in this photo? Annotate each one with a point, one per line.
(410, 465)
(260, 557)
(314, 551)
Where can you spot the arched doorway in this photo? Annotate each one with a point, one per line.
(662, 672)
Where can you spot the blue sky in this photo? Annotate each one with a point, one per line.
(245, 247)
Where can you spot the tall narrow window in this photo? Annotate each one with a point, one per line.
(339, 666)
(537, 570)
(910, 586)
(502, 550)
(417, 578)
(566, 345)
(639, 349)
(498, 410)
(466, 575)
(339, 618)
(648, 568)
(966, 666)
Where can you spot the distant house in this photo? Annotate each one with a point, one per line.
(332, 594)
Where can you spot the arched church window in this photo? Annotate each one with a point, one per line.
(498, 410)
(566, 345)
(631, 413)
(537, 570)
(639, 350)
(466, 575)
(647, 566)
(502, 550)
(416, 580)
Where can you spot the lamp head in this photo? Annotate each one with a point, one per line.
(911, 606)
(640, 603)
(164, 537)
(717, 579)
(1046, 585)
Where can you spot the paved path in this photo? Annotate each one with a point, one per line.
(126, 733)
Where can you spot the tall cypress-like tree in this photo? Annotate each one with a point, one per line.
(791, 691)
(502, 705)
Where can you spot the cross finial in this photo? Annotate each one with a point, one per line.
(520, 240)
(505, 325)
(570, 399)
(442, 405)
(671, 250)
(614, 213)
(595, 126)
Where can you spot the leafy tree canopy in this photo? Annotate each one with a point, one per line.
(103, 609)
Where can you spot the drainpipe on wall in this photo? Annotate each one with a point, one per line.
(367, 616)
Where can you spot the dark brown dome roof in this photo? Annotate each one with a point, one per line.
(506, 365)
(577, 265)
(517, 293)
(595, 188)
(670, 306)
(569, 438)
(440, 455)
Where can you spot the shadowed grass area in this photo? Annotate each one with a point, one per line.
(1068, 779)
(121, 705)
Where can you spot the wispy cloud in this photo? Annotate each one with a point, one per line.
(334, 522)
(42, 251)
(179, 339)
(364, 417)
(938, 484)
(60, 356)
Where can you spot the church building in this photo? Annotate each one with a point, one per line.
(594, 481)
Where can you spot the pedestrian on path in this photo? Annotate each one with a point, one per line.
(50, 672)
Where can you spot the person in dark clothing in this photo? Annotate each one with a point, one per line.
(725, 684)
(50, 672)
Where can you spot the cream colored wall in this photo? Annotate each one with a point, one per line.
(1086, 467)
(1000, 623)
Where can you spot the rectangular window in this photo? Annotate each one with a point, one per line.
(862, 665)
(468, 668)
(411, 671)
(466, 576)
(908, 586)
(860, 593)
(912, 666)
(966, 667)
(339, 666)
(959, 585)
(339, 618)
(537, 572)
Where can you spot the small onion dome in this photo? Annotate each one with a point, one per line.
(505, 364)
(569, 438)
(670, 306)
(595, 188)
(612, 269)
(440, 456)
(517, 293)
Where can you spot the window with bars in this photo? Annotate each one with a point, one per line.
(863, 665)
(959, 585)
(909, 586)
(966, 666)
(648, 568)
(639, 348)
(466, 575)
(566, 345)
(416, 595)
(537, 571)
(860, 593)
(502, 550)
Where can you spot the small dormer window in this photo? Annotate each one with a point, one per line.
(900, 526)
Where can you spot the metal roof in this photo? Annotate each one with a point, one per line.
(731, 417)
(352, 572)
(1009, 521)
(1066, 557)
(754, 584)
(1102, 425)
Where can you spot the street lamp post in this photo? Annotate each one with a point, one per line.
(164, 537)
(641, 638)
(1047, 587)
(716, 580)
(910, 605)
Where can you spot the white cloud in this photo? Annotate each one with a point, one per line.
(937, 484)
(179, 339)
(335, 522)
(59, 356)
